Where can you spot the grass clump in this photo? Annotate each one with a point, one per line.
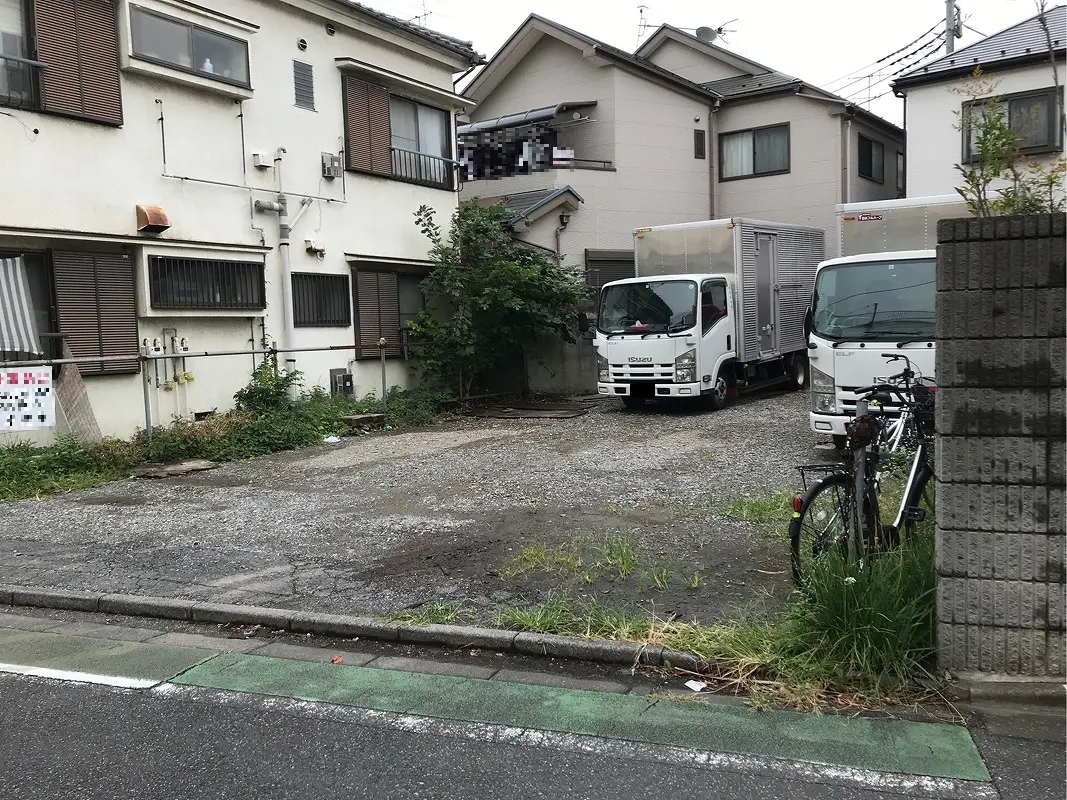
(436, 613)
(619, 554)
(768, 512)
(565, 559)
(269, 417)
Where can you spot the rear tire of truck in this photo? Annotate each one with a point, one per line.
(798, 371)
(633, 403)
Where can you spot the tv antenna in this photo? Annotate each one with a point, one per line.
(709, 35)
(642, 23)
(420, 19)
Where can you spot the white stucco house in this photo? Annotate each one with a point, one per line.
(586, 142)
(149, 146)
(1017, 62)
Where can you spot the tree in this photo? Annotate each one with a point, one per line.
(497, 294)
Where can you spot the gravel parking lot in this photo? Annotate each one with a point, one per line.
(394, 521)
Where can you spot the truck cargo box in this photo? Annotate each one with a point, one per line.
(771, 265)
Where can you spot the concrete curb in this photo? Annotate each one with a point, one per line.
(339, 625)
(1013, 689)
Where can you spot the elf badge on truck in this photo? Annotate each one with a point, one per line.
(877, 299)
(715, 306)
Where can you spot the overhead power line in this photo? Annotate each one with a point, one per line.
(924, 50)
(889, 56)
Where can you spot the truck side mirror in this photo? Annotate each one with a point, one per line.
(807, 323)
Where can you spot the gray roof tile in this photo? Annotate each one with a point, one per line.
(457, 46)
(1020, 41)
(741, 85)
(522, 204)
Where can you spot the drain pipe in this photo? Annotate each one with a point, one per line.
(285, 228)
(564, 221)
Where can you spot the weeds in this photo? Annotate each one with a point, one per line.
(770, 513)
(696, 580)
(620, 554)
(538, 558)
(436, 613)
(659, 578)
(267, 419)
(852, 637)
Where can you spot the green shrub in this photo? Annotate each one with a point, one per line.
(269, 389)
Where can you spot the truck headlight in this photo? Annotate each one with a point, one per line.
(603, 374)
(685, 367)
(823, 403)
(821, 382)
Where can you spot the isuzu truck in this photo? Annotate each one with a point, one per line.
(877, 298)
(715, 307)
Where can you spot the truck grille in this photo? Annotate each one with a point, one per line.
(644, 372)
(846, 397)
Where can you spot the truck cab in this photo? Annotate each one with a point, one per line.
(665, 337)
(876, 300)
(863, 309)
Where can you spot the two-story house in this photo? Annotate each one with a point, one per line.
(1016, 66)
(681, 130)
(201, 179)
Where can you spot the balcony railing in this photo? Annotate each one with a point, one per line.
(424, 169)
(20, 82)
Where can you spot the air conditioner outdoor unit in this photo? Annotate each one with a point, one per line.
(331, 165)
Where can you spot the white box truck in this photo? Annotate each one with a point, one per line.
(715, 307)
(876, 299)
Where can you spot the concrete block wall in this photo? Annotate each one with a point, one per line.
(1000, 444)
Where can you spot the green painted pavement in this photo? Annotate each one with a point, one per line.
(97, 656)
(910, 748)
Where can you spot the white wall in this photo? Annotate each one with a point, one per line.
(806, 195)
(935, 143)
(77, 176)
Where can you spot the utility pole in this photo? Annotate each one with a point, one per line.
(950, 26)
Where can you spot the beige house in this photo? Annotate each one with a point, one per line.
(681, 130)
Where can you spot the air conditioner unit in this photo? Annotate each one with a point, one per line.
(331, 165)
(341, 382)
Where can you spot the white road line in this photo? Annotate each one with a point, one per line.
(80, 677)
(807, 772)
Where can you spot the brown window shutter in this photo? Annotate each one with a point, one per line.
(369, 327)
(368, 135)
(97, 308)
(389, 311)
(78, 41)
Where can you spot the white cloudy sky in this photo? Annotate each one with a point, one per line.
(825, 42)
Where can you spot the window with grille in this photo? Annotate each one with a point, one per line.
(385, 303)
(321, 301)
(304, 85)
(700, 147)
(205, 284)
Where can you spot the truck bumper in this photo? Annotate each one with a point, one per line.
(828, 424)
(657, 389)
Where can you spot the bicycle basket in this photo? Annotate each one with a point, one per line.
(862, 431)
(923, 409)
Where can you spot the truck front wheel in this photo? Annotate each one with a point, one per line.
(719, 396)
(798, 371)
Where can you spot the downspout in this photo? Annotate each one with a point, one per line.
(564, 220)
(713, 154)
(285, 229)
(850, 113)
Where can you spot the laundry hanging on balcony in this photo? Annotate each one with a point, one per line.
(18, 333)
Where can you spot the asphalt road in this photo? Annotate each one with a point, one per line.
(66, 740)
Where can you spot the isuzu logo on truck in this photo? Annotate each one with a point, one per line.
(640, 359)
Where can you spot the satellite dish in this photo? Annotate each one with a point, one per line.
(706, 34)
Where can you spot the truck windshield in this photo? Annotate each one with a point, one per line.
(875, 300)
(648, 307)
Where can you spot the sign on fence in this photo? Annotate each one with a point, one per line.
(27, 400)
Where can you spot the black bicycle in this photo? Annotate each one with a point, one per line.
(826, 515)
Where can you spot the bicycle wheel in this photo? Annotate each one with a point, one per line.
(822, 522)
(920, 509)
